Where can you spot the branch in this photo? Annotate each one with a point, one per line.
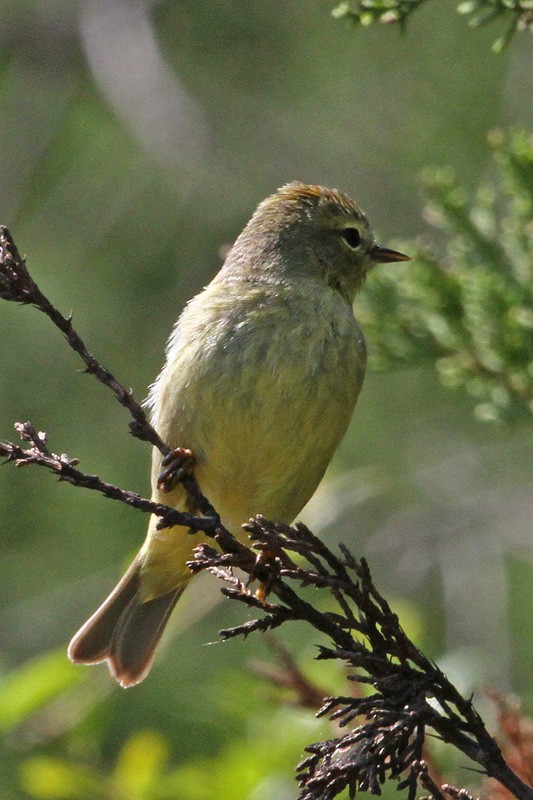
(411, 695)
(66, 468)
(16, 284)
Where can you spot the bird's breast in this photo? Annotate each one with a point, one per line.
(262, 395)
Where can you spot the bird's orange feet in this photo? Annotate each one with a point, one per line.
(263, 590)
(176, 464)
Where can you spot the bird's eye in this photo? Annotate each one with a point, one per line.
(352, 237)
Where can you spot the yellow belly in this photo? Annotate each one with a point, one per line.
(262, 400)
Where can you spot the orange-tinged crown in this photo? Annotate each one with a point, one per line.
(300, 197)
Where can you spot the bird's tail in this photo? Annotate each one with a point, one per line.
(124, 631)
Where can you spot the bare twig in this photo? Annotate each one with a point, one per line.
(16, 284)
(66, 468)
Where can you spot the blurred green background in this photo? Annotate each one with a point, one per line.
(136, 138)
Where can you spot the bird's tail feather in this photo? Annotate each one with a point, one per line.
(124, 631)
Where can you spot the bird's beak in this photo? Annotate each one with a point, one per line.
(382, 255)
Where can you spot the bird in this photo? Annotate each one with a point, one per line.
(263, 369)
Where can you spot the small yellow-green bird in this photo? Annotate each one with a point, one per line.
(262, 373)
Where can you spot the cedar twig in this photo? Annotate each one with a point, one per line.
(410, 695)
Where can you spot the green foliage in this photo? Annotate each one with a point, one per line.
(51, 778)
(518, 13)
(34, 685)
(143, 769)
(368, 11)
(470, 309)
(136, 775)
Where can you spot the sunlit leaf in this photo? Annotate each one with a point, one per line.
(54, 779)
(33, 685)
(141, 761)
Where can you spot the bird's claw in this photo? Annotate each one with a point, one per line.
(177, 464)
(263, 590)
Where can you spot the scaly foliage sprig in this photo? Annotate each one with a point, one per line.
(472, 308)
(408, 697)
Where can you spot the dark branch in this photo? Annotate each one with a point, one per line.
(66, 469)
(16, 284)
(411, 695)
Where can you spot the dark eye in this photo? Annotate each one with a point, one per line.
(352, 237)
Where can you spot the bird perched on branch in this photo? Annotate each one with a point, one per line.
(263, 370)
